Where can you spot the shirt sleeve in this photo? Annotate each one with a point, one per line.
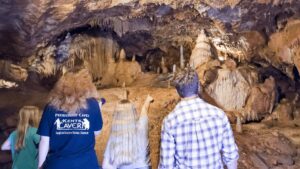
(167, 149)
(229, 148)
(98, 122)
(45, 123)
(106, 159)
(36, 138)
(142, 125)
(11, 139)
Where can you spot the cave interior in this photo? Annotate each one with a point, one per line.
(246, 53)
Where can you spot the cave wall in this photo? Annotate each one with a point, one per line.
(236, 43)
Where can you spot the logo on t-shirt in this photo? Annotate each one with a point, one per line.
(72, 124)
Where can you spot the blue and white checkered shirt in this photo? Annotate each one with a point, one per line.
(196, 135)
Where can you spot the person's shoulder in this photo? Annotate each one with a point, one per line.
(92, 101)
(214, 110)
(49, 108)
(13, 134)
(32, 130)
(171, 118)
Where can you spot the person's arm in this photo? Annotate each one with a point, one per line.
(106, 164)
(43, 150)
(101, 102)
(146, 105)
(6, 145)
(167, 149)
(96, 133)
(97, 122)
(229, 149)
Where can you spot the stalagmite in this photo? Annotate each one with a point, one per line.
(158, 70)
(239, 128)
(202, 52)
(64, 70)
(122, 55)
(133, 58)
(125, 94)
(181, 57)
(163, 65)
(174, 69)
(126, 71)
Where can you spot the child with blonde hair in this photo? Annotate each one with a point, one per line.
(127, 146)
(23, 142)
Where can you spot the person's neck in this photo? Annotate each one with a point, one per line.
(189, 97)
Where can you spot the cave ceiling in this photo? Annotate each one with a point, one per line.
(138, 25)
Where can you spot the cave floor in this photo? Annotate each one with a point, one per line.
(261, 145)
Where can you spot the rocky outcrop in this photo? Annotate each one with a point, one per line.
(261, 101)
(232, 87)
(286, 45)
(12, 72)
(7, 84)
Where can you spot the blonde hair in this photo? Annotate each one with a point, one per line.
(29, 116)
(72, 90)
(124, 142)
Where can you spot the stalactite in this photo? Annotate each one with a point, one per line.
(99, 53)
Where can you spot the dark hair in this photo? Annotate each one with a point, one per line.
(186, 82)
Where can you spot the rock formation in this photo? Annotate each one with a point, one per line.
(163, 65)
(201, 54)
(12, 72)
(261, 101)
(232, 87)
(126, 71)
(7, 84)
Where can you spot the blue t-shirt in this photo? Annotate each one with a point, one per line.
(72, 138)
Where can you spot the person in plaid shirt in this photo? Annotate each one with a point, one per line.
(196, 135)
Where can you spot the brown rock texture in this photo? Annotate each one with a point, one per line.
(261, 101)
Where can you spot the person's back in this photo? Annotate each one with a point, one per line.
(25, 158)
(196, 135)
(199, 131)
(71, 140)
(70, 123)
(23, 142)
(127, 147)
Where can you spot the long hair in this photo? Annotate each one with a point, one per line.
(124, 144)
(29, 116)
(72, 90)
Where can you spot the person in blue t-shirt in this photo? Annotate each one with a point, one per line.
(70, 123)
